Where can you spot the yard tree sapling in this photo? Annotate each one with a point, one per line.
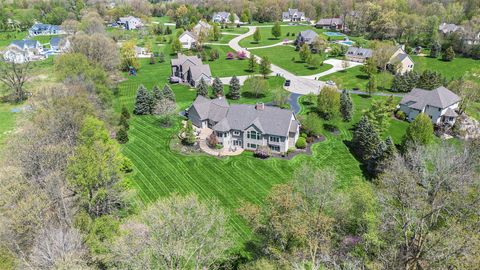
(252, 63)
(123, 122)
(304, 52)
(176, 46)
(256, 35)
(419, 132)
(215, 34)
(202, 88)
(370, 67)
(448, 54)
(256, 86)
(161, 57)
(276, 30)
(280, 97)
(372, 85)
(152, 59)
(217, 87)
(265, 67)
(122, 135)
(435, 49)
(234, 88)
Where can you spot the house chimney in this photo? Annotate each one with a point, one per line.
(260, 106)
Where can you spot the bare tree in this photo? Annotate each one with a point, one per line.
(430, 219)
(14, 76)
(98, 48)
(92, 23)
(165, 106)
(175, 233)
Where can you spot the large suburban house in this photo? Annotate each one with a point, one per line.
(330, 23)
(401, 60)
(188, 40)
(21, 51)
(439, 104)
(130, 22)
(448, 28)
(306, 37)
(190, 70)
(202, 28)
(293, 15)
(224, 17)
(246, 126)
(40, 29)
(356, 54)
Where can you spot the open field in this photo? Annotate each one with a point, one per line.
(282, 56)
(268, 39)
(349, 78)
(222, 67)
(452, 70)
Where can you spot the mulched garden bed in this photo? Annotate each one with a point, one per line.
(307, 151)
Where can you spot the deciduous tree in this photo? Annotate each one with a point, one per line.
(265, 67)
(256, 35)
(252, 63)
(14, 76)
(276, 30)
(129, 56)
(328, 102)
(419, 132)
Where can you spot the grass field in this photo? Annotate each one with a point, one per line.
(349, 78)
(7, 37)
(223, 67)
(451, 70)
(282, 57)
(7, 122)
(268, 39)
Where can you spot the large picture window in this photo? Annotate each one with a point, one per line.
(254, 135)
(274, 139)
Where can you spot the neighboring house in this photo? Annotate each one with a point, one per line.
(472, 39)
(188, 40)
(224, 17)
(330, 23)
(439, 104)
(357, 54)
(130, 22)
(59, 45)
(40, 29)
(21, 51)
(202, 28)
(448, 28)
(306, 37)
(246, 126)
(142, 52)
(190, 69)
(293, 15)
(401, 60)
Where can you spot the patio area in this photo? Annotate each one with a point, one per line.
(202, 135)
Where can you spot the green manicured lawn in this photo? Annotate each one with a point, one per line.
(7, 37)
(223, 67)
(451, 70)
(268, 39)
(282, 57)
(234, 30)
(44, 39)
(349, 78)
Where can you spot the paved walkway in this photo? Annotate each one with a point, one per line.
(270, 46)
(337, 66)
(230, 34)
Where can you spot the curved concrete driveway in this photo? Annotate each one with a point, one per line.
(298, 84)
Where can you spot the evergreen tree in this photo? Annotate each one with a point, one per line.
(217, 87)
(168, 31)
(161, 57)
(382, 156)
(435, 49)
(372, 85)
(234, 88)
(365, 139)
(449, 54)
(346, 106)
(168, 93)
(125, 112)
(122, 135)
(405, 82)
(188, 136)
(256, 36)
(276, 30)
(252, 63)
(143, 101)
(419, 132)
(430, 80)
(202, 88)
(152, 59)
(157, 94)
(124, 122)
(265, 66)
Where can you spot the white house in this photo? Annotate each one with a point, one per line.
(293, 15)
(21, 51)
(224, 17)
(401, 60)
(59, 45)
(130, 22)
(246, 126)
(357, 54)
(439, 104)
(202, 27)
(188, 40)
(40, 29)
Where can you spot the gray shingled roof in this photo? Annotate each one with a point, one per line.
(224, 15)
(192, 35)
(25, 43)
(440, 98)
(291, 12)
(330, 21)
(269, 120)
(447, 28)
(362, 52)
(309, 34)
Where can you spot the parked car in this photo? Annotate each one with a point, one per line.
(287, 83)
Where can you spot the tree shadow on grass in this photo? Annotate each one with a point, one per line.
(363, 166)
(250, 95)
(364, 96)
(362, 77)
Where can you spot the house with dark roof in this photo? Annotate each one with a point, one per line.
(330, 23)
(400, 61)
(224, 17)
(293, 15)
(439, 104)
(306, 37)
(21, 51)
(246, 126)
(190, 70)
(357, 54)
(41, 29)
